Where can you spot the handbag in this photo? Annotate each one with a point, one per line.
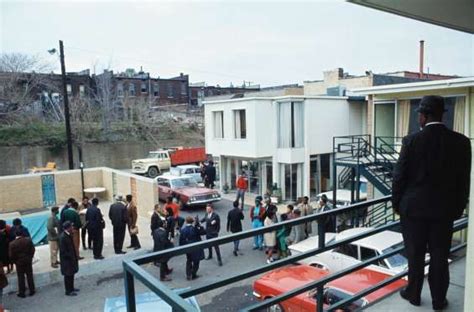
(134, 230)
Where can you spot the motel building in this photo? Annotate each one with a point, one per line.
(285, 141)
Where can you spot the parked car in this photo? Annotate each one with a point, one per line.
(191, 171)
(346, 255)
(158, 161)
(287, 278)
(186, 190)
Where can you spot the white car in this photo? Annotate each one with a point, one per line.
(353, 253)
(191, 171)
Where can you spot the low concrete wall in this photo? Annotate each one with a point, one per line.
(23, 192)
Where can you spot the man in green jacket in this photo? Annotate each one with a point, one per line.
(53, 236)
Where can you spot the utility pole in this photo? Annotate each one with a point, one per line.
(66, 107)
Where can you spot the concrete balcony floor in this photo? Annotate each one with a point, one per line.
(395, 303)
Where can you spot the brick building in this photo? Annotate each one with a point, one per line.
(201, 90)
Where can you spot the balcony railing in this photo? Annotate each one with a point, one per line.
(132, 269)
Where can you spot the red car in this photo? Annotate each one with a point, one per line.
(188, 192)
(287, 278)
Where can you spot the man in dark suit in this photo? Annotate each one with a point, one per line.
(234, 223)
(191, 233)
(430, 190)
(210, 175)
(213, 226)
(68, 258)
(162, 242)
(21, 251)
(95, 227)
(119, 217)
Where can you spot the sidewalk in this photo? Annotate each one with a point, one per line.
(44, 274)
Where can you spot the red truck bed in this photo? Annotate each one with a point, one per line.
(188, 155)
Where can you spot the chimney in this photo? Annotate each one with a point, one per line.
(422, 55)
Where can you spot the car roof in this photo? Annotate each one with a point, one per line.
(187, 166)
(342, 195)
(312, 242)
(379, 241)
(172, 177)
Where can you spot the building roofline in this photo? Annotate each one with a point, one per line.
(278, 98)
(415, 86)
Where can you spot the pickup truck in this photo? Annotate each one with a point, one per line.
(161, 160)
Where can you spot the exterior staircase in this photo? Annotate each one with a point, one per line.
(375, 162)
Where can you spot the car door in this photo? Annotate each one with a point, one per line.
(164, 188)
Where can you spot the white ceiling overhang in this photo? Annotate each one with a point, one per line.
(455, 14)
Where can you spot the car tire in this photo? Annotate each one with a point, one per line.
(275, 308)
(153, 172)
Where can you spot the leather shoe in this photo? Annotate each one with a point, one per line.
(71, 294)
(81, 258)
(76, 289)
(21, 295)
(220, 263)
(99, 258)
(405, 296)
(441, 306)
(128, 247)
(165, 279)
(189, 278)
(235, 253)
(32, 293)
(196, 276)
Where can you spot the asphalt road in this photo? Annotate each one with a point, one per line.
(96, 288)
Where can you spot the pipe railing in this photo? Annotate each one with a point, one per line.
(177, 301)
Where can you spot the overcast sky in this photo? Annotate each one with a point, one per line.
(219, 42)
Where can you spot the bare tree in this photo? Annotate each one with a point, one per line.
(22, 81)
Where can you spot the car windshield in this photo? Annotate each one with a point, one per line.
(182, 182)
(152, 155)
(397, 260)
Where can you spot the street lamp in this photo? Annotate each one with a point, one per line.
(66, 103)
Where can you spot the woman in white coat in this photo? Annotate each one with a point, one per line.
(269, 237)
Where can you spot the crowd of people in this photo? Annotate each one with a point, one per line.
(83, 223)
(66, 228)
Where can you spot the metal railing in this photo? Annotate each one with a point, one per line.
(176, 300)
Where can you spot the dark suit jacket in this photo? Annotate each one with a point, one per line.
(21, 252)
(191, 234)
(67, 255)
(212, 228)
(94, 219)
(118, 214)
(432, 175)
(234, 220)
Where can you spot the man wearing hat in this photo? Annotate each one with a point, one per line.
(68, 258)
(430, 190)
(119, 216)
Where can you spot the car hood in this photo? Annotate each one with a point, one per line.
(193, 191)
(145, 160)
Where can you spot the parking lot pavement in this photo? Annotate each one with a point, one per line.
(101, 279)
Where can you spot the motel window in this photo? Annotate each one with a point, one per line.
(240, 124)
(291, 125)
(218, 118)
(143, 88)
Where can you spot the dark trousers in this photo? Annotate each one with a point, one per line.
(164, 269)
(134, 242)
(216, 247)
(421, 235)
(69, 283)
(22, 272)
(192, 266)
(97, 238)
(119, 236)
(83, 237)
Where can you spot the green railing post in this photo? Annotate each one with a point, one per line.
(129, 292)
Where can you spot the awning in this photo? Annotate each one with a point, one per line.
(454, 14)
